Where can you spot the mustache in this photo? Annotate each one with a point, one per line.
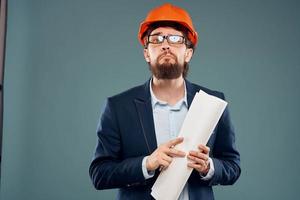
(166, 53)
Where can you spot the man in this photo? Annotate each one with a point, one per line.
(138, 128)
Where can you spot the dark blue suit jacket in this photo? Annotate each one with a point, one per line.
(126, 135)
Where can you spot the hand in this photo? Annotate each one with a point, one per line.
(199, 159)
(163, 155)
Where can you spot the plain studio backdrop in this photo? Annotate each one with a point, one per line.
(64, 57)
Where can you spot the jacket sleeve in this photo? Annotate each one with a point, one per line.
(107, 169)
(225, 156)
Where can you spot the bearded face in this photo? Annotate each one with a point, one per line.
(167, 59)
(168, 67)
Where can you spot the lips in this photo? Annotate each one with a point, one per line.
(169, 55)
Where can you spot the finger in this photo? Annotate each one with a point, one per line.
(163, 163)
(203, 148)
(199, 155)
(196, 160)
(167, 158)
(196, 166)
(175, 153)
(174, 142)
(161, 168)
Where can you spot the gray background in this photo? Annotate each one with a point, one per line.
(65, 57)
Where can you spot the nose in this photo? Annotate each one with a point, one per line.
(165, 45)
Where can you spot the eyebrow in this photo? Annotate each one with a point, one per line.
(158, 33)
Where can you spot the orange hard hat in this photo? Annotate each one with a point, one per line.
(169, 12)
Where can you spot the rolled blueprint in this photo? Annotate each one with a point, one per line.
(199, 123)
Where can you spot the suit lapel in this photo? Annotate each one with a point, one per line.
(191, 91)
(145, 114)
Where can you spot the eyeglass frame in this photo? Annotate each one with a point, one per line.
(166, 37)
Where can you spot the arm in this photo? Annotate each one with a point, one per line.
(108, 169)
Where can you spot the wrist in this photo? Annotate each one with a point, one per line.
(148, 165)
(204, 173)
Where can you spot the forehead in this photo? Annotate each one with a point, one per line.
(166, 31)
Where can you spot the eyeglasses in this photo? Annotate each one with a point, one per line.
(172, 39)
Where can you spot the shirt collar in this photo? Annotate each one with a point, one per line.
(155, 101)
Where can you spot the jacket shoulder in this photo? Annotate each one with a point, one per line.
(127, 95)
(216, 93)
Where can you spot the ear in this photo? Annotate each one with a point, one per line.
(188, 54)
(146, 55)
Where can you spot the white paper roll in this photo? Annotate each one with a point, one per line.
(199, 123)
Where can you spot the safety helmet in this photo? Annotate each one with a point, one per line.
(169, 12)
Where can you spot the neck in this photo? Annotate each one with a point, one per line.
(169, 90)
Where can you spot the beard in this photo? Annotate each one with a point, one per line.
(168, 70)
